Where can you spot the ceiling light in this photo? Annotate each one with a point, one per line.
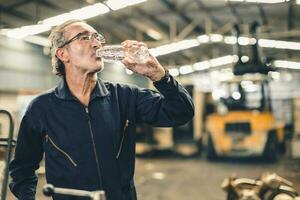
(230, 39)
(286, 64)
(201, 65)
(269, 1)
(174, 47)
(216, 37)
(89, 11)
(261, 1)
(56, 20)
(252, 41)
(118, 4)
(235, 0)
(279, 44)
(24, 31)
(82, 13)
(42, 41)
(186, 69)
(298, 1)
(243, 41)
(222, 61)
(203, 38)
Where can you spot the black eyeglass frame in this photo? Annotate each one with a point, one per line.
(90, 35)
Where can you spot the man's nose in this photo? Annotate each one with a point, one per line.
(95, 43)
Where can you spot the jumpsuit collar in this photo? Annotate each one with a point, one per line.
(62, 90)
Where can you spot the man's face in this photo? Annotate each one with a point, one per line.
(83, 43)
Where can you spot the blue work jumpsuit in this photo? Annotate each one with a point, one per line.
(92, 148)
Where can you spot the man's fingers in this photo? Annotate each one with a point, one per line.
(128, 63)
(133, 43)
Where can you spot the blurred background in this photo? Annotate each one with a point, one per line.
(239, 59)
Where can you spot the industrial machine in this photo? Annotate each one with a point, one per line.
(269, 186)
(245, 125)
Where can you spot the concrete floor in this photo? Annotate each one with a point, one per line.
(196, 178)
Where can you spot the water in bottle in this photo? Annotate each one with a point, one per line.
(114, 53)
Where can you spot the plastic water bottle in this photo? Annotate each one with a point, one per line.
(114, 53)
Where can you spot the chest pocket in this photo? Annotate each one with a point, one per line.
(57, 150)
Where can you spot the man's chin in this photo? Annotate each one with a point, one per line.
(97, 69)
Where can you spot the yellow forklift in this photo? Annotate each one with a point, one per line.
(245, 125)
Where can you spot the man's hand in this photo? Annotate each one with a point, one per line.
(151, 68)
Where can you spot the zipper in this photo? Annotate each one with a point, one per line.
(94, 148)
(122, 140)
(60, 150)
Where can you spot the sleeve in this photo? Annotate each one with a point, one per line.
(172, 106)
(28, 154)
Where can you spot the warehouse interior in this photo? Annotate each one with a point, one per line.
(238, 59)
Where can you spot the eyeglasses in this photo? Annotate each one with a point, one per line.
(85, 36)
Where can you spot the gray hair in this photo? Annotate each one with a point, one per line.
(57, 39)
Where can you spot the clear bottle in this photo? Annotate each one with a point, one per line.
(114, 53)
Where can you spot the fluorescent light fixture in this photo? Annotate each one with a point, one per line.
(279, 44)
(286, 64)
(45, 25)
(252, 41)
(230, 39)
(186, 69)
(119, 4)
(270, 1)
(174, 47)
(56, 20)
(244, 41)
(89, 11)
(222, 61)
(203, 38)
(82, 13)
(174, 71)
(42, 41)
(203, 65)
(199, 66)
(24, 31)
(216, 38)
(261, 1)
(298, 1)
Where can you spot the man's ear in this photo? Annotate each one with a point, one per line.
(62, 55)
